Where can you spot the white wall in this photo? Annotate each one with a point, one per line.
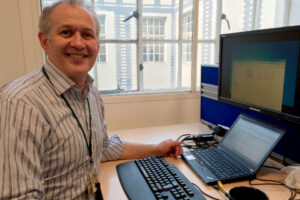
(21, 53)
(137, 111)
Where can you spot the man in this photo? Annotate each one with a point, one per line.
(52, 130)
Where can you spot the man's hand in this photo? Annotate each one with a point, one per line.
(165, 148)
(170, 148)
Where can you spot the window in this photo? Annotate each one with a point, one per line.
(147, 45)
(153, 28)
(236, 16)
(253, 14)
(207, 35)
(102, 51)
(187, 33)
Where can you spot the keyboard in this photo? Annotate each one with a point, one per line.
(153, 178)
(219, 164)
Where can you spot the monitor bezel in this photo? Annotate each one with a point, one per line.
(248, 106)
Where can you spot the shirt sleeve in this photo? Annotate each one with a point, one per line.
(21, 150)
(113, 147)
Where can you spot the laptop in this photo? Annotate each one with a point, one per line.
(241, 153)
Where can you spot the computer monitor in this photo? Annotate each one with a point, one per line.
(260, 71)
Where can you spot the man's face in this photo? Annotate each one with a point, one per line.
(72, 43)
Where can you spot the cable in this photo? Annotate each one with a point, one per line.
(271, 167)
(200, 143)
(210, 127)
(204, 192)
(219, 186)
(294, 192)
(184, 135)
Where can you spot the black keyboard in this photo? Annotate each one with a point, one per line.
(219, 165)
(154, 178)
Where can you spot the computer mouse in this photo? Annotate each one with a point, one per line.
(247, 193)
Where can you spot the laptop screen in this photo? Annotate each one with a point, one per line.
(251, 141)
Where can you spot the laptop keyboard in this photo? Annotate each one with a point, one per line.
(220, 166)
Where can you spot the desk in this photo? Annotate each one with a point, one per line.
(112, 188)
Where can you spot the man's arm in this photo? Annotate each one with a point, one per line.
(21, 147)
(165, 148)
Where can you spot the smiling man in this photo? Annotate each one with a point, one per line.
(53, 135)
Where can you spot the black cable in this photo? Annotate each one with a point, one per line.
(294, 192)
(204, 192)
(271, 167)
(184, 135)
(198, 144)
(210, 127)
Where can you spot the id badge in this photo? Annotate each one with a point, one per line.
(92, 185)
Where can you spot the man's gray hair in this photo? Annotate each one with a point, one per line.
(45, 21)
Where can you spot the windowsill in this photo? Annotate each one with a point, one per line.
(150, 97)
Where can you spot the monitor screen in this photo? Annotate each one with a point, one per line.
(259, 70)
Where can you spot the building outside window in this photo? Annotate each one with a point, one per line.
(154, 28)
(187, 34)
(102, 51)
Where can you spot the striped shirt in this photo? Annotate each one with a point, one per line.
(43, 153)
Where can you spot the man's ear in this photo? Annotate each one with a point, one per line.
(43, 41)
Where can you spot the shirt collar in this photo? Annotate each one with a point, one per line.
(61, 82)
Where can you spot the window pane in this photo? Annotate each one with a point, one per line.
(102, 53)
(102, 26)
(205, 55)
(187, 34)
(47, 2)
(167, 74)
(120, 70)
(187, 25)
(161, 18)
(240, 15)
(294, 18)
(153, 30)
(271, 14)
(207, 19)
(161, 75)
(187, 52)
(115, 12)
(151, 50)
(186, 66)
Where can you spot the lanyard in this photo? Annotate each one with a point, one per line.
(89, 146)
